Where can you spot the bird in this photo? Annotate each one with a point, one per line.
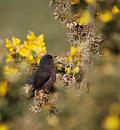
(45, 75)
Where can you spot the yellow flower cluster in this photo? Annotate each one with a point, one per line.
(115, 10)
(85, 18)
(10, 70)
(107, 15)
(112, 121)
(32, 49)
(11, 73)
(3, 88)
(73, 60)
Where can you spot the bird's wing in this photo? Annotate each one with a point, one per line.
(30, 80)
(49, 85)
(40, 79)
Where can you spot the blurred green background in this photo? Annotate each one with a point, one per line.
(17, 17)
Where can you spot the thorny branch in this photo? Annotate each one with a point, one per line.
(84, 36)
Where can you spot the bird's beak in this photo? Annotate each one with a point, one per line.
(54, 57)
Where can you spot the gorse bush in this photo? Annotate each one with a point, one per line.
(87, 95)
(31, 49)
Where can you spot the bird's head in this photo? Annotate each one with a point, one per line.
(46, 60)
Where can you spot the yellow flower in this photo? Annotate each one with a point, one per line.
(30, 58)
(79, 49)
(9, 58)
(11, 49)
(30, 45)
(85, 18)
(3, 88)
(15, 41)
(3, 126)
(76, 70)
(11, 45)
(112, 122)
(40, 38)
(69, 59)
(73, 2)
(42, 44)
(37, 60)
(44, 50)
(38, 50)
(115, 10)
(8, 43)
(68, 70)
(10, 70)
(73, 51)
(26, 44)
(23, 52)
(31, 36)
(105, 16)
(90, 1)
(34, 46)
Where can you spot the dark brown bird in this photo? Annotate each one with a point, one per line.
(45, 75)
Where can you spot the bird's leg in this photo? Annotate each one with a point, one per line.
(35, 93)
(52, 89)
(39, 92)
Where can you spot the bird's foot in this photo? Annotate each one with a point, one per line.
(39, 94)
